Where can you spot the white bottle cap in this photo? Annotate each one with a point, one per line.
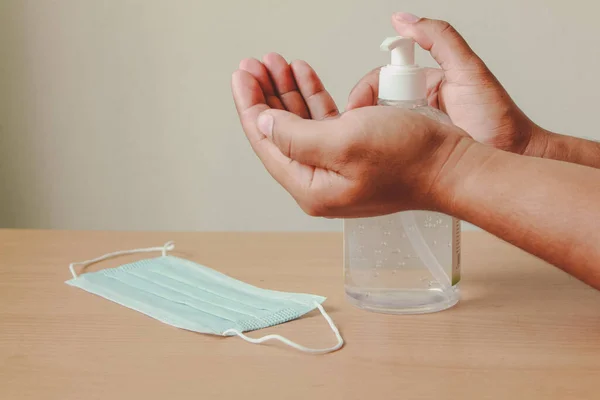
(401, 80)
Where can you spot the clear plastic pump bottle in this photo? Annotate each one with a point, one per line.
(408, 262)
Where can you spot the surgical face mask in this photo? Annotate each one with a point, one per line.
(190, 296)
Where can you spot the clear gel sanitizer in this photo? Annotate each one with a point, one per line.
(408, 262)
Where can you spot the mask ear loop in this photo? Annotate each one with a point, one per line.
(169, 246)
(339, 345)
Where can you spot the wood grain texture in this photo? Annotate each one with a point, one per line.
(523, 330)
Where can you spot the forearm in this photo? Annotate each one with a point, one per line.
(548, 208)
(554, 146)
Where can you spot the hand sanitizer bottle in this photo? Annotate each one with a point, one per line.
(408, 262)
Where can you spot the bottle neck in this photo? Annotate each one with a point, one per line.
(402, 83)
(406, 104)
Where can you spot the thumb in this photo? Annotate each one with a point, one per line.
(307, 141)
(445, 44)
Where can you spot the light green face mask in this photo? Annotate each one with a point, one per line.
(190, 296)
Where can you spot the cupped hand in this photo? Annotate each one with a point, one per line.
(294, 87)
(463, 87)
(369, 161)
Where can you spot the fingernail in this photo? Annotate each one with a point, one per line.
(265, 124)
(405, 17)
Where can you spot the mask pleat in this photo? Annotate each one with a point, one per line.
(186, 292)
(140, 284)
(170, 312)
(200, 276)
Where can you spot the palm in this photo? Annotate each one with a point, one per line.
(273, 83)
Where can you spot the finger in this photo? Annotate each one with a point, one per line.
(366, 91)
(307, 141)
(318, 100)
(250, 102)
(260, 73)
(285, 84)
(433, 80)
(445, 44)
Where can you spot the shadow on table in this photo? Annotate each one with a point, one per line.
(540, 287)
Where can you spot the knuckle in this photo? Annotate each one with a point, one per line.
(288, 148)
(284, 144)
(444, 27)
(332, 113)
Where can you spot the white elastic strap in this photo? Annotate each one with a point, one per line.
(169, 246)
(340, 340)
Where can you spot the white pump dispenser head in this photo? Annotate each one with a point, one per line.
(402, 80)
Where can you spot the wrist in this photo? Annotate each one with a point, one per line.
(538, 144)
(463, 164)
(554, 146)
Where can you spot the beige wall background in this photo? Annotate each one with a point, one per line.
(117, 114)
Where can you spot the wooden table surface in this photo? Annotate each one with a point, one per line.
(523, 330)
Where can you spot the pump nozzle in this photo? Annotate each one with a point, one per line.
(402, 50)
(402, 79)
